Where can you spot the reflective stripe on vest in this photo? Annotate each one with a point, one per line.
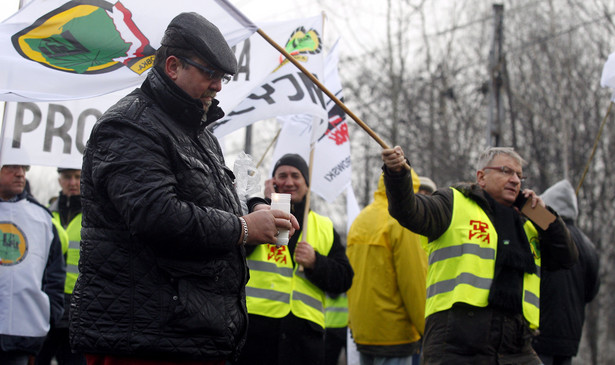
(276, 287)
(72, 255)
(462, 262)
(336, 311)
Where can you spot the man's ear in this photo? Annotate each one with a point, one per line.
(171, 65)
(480, 178)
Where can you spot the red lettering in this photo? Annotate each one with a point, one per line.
(479, 229)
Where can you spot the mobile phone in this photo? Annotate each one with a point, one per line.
(520, 201)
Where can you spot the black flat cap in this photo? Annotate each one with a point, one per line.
(193, 31)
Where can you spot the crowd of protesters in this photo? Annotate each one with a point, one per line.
(147, 256)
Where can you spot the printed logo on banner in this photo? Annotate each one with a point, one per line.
(300, 44)
(337, 128)
(13, 245)
(86, 38)
(277, 94)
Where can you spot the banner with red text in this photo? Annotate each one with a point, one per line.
(331, 171)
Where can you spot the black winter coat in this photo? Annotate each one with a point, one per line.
(563, 296)
(161, 274)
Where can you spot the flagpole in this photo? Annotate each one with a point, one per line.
(275, 138)
(591, 156)
(3, 121)
(306, 210)
(308, 195)
(326, 91)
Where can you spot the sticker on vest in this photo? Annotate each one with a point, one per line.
(13, 244)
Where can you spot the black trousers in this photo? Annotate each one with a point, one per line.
(283, 341)
(466, 334)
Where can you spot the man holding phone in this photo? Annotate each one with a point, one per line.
(485, 258)
(285, 303)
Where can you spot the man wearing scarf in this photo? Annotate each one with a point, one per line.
(485, 259)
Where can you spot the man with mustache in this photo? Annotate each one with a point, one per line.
(485, 259)
(163, 263)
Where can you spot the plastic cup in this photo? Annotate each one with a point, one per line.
(281, 202)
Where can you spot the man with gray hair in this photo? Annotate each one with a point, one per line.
(485, 259)
(162, 268)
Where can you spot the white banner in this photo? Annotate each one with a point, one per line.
(331, 171)
(285, 89)
(56, 50)
(53, 134)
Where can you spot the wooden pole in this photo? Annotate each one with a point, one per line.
(591, 157)
(308, 195)
(326, 91)
(268, 148)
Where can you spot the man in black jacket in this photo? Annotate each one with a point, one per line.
(163, 266)
(485, 260)
(564, 293)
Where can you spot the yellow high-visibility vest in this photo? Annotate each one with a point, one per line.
(276, 288)
(336, 311)
(462, 262)
(72, 254)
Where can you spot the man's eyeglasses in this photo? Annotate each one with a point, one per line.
(211, 74)
(15, 168)
(507, 171)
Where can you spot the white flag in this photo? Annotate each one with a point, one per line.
(54, 50)
(331, 171)
(608, 73)
(277, 87)
(55, 133)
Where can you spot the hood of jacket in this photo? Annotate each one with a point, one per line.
(380, 195)
(562, 198)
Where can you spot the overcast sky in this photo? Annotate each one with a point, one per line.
(256, 10)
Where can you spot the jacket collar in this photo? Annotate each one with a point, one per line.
(184, 109)
(476, 193)
(16, 198)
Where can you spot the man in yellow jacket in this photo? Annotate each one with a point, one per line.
(386, 302)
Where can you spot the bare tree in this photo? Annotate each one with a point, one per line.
(431, 99)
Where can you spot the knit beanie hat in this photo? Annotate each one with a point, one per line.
(296, 161)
